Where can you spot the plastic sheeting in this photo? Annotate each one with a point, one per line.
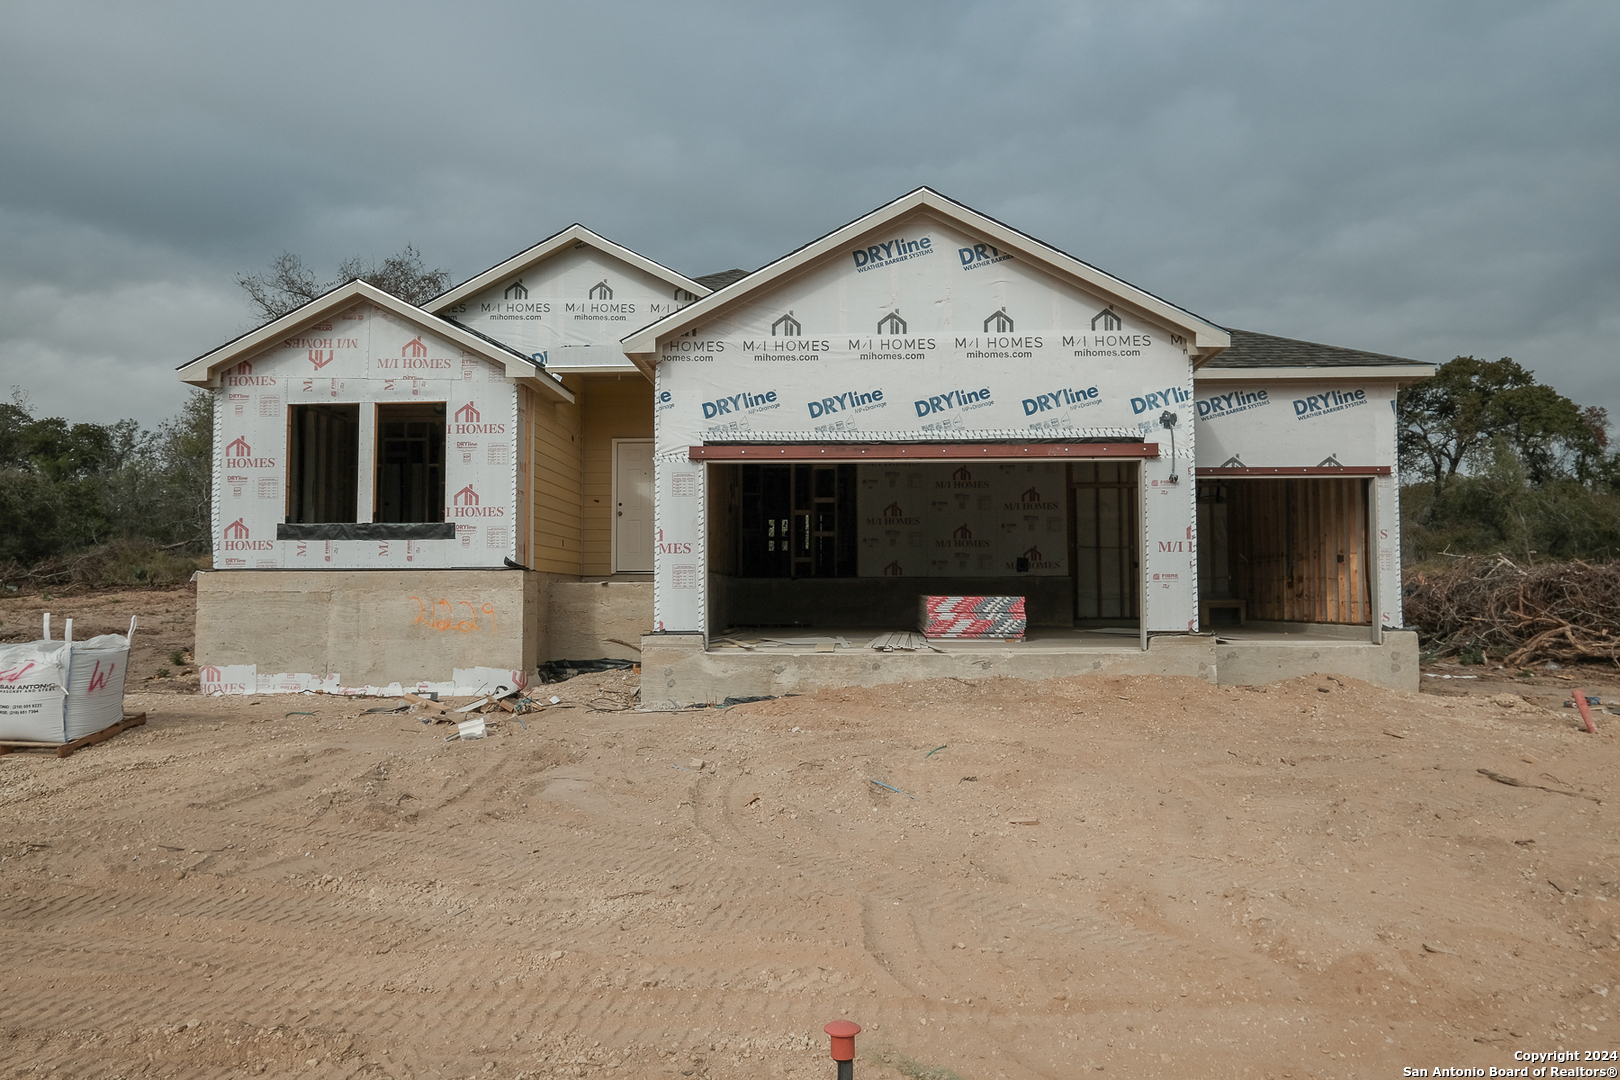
(925, 333)
(373, 357)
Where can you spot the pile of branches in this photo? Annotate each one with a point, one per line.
(1524, 614)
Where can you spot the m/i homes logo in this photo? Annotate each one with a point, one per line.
(239, 537)
(466, 504)
(466, 419)
(239, 455)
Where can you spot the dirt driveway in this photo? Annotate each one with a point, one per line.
(1133, 877)
(1138, 877)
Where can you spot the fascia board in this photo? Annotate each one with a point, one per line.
(1206, 338)
(575, 233)
(204, 371)
(1401, 373)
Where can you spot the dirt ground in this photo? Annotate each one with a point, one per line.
(1136, 877)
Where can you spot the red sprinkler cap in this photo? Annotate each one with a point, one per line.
(843, 1034)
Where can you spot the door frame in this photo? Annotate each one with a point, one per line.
(613, 506)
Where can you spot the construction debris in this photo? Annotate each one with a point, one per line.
(1526, 614)
(901, 640)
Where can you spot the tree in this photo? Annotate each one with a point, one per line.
(1455, 418)
(289, 284)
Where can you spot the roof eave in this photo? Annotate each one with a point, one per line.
(1399, 373)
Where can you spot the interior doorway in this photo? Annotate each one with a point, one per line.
(1106, 543)
(632, 506)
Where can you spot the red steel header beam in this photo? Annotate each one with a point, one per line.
(921, 451)
(1297, 470)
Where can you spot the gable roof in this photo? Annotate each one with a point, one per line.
(1205, 338)
(1274, 356)
(567, 238)
(205, 370)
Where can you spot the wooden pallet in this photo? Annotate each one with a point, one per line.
(66, 749)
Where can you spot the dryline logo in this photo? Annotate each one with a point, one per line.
(953, 399)
(466, 504)
(1064, 397)
(848, 401)
(1218, 405)
(1311, 406)
(738, 403)
(980, 255)
(1162, 399)
(239, 455)
(238, 537)
(890, 252)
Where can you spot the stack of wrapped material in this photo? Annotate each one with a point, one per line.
(973, 617)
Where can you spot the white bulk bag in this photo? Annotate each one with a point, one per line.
(95, 683)
(33, 687)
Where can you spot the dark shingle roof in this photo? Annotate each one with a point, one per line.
(722, 279)
(1252, 350)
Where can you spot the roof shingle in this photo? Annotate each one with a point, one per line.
(1252, 350)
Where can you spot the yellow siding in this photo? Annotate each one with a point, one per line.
(556, 475)
(615, 407)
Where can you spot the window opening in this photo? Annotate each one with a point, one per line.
(410, 462)
(323, 457)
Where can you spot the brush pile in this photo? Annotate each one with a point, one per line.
(1524, 614)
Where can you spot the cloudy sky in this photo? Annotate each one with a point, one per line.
(1423, 179)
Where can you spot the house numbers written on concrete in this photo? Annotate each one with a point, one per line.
(442, 616)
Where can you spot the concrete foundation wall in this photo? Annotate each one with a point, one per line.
(1394, 664)
(874, 602)
(583, 615)
(676, 671)
(371, 626)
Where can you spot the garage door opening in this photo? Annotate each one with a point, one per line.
(1292, 550)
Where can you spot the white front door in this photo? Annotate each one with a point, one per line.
(632, 506)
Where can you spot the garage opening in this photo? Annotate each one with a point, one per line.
(1287, 550)
(840, 546)
(323, 458)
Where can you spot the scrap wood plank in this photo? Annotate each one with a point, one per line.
(66, 749)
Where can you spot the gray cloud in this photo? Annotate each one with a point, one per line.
(1424, 180)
